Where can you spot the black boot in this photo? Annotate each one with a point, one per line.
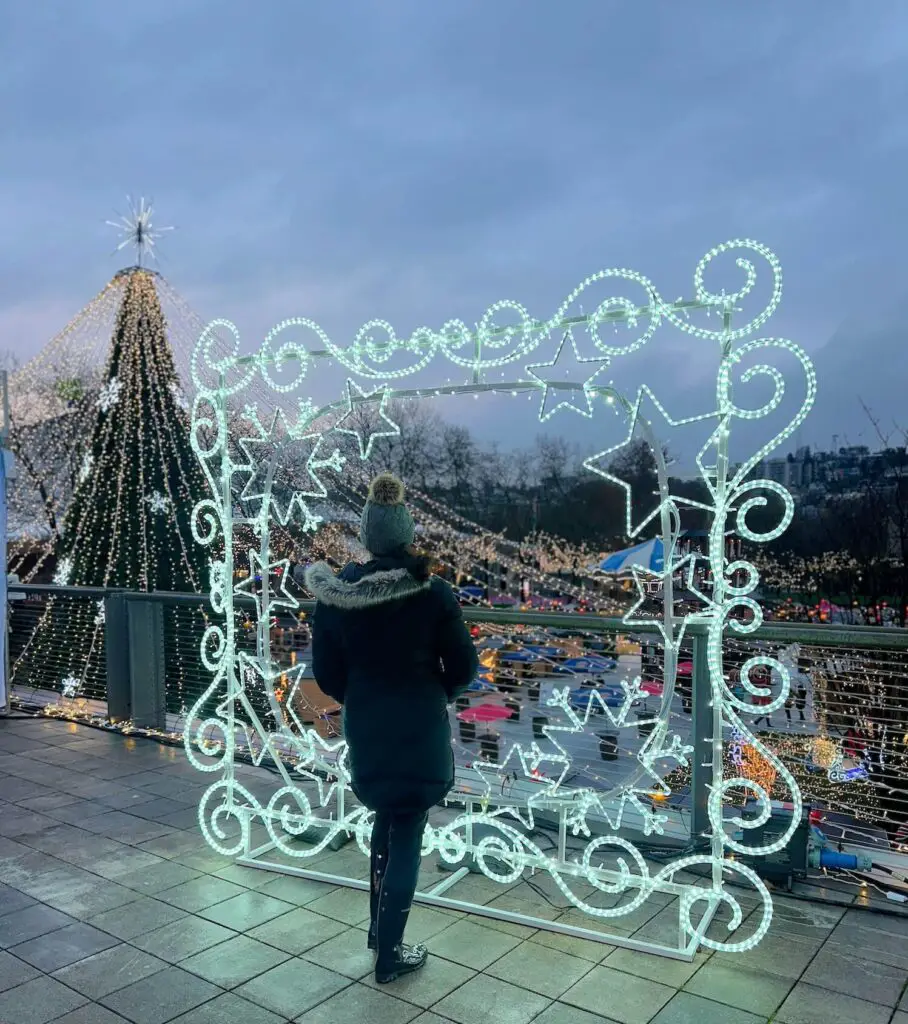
(403, 960)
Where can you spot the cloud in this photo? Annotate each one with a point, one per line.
(419, 161)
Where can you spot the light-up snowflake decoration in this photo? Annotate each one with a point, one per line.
(565, 361)
(70, 687)
(157, 502)
(64, 571)
(85, 469)
(179, 397)
(109, 395)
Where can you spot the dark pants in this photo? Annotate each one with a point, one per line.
(396, 854)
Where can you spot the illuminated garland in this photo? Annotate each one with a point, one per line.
(373, 358)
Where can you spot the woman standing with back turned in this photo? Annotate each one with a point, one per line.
(389, 643)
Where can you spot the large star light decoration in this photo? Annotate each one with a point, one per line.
(365, 436)
(599, 462)
(259, 485)
(563, 366)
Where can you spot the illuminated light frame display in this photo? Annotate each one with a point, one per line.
(500, 846)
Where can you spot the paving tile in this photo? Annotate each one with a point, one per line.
(424, 988)
(630, 1000)
(360, 1003)
(786, 957)
(293, 987)
(740, 987)
(174, 844)
(228, 1009)
(298, 891)
(22, 925)
(248, 878)
(561, 1013)
(13, 899)
(200, 893)
(160, 806)
(846, 972)
(14, 971)
(37, 1001)
(157, 878)
(879, 938)
(23, 823)
(348, 905)
(160, 997)
(142, 916)
(473, 945)
(899, 1018)
(809, 1004)
(298, 931)
(485, 1000)
(76, 810)
(345, 953)
(234, 962)
(105, 972)
(664, 970)
(48, 802)
(85, 903)
(540, 969)
(123, 860)
(91, 1013)
(586, 949)
(685, 1008)
(186, 937)
(247, 910)
(63, 947)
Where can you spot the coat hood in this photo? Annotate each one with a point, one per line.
(354, 588)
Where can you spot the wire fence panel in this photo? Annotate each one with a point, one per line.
(46, 664)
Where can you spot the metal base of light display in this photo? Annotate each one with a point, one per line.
(240, 453)
(690, 932)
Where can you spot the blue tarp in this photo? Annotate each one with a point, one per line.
(648, 555)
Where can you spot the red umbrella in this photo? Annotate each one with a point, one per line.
(484, 713)
(685, 668)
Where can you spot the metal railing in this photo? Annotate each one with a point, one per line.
(849, 694)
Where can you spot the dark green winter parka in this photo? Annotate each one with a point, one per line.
(389, 644)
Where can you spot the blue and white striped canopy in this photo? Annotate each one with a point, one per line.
(648, 555)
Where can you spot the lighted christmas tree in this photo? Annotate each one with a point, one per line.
(127, 524)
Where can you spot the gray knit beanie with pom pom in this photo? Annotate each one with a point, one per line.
(386, 525)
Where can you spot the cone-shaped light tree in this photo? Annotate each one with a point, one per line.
(128, 524)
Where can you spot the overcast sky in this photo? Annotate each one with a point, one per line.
(418, 160)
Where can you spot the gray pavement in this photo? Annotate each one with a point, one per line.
(113, 909)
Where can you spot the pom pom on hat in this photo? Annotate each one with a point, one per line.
(386, 489)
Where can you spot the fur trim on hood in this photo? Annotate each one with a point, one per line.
(371, 589)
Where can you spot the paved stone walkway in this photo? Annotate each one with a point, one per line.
(112, 909)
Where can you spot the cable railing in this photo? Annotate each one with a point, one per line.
(843, 732)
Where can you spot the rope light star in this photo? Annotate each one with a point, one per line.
(364, 434)
(560, 367)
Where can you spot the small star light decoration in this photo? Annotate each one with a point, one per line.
(110, 394)
(70, 687)
(64, 571)
(157, 502)
(101, 613)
